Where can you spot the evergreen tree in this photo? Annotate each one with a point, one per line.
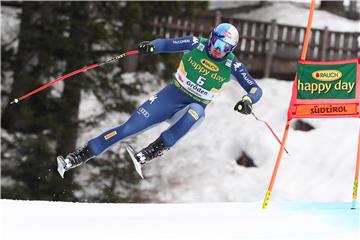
(56, 38)
(32, 124)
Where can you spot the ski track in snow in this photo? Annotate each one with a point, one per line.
(58, 220)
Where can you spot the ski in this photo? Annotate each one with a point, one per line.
(137, 165)
(61, 165)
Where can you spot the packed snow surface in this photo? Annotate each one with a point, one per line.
(42, 220)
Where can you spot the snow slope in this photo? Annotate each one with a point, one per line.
(202, 166)
(297, 14)
(57, 221)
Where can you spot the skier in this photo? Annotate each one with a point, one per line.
(207, 64)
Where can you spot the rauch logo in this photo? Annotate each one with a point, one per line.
(327, 75)
(209, 65)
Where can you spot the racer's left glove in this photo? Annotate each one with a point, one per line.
(244, 106)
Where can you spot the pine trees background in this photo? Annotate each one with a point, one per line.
(56, 38)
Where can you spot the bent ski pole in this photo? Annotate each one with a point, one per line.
(16, 100)
(272, 131)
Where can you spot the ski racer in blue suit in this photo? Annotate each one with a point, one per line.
(207, 64)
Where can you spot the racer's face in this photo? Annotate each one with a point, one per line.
(216, 53)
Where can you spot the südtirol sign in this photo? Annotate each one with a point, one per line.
(326, 89)
(326, 82)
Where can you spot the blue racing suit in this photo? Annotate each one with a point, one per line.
(171, 104)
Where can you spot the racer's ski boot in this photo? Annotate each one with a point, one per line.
(74, 159)
(152, 151)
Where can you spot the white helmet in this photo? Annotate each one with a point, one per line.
(225, 37)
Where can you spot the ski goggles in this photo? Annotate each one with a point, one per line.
(217, 42)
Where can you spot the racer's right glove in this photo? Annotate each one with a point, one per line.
(146, 47)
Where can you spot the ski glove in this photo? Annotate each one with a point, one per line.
(146, 47)
(244, 106)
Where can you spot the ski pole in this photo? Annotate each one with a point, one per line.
(16, 100)
(271, 130)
